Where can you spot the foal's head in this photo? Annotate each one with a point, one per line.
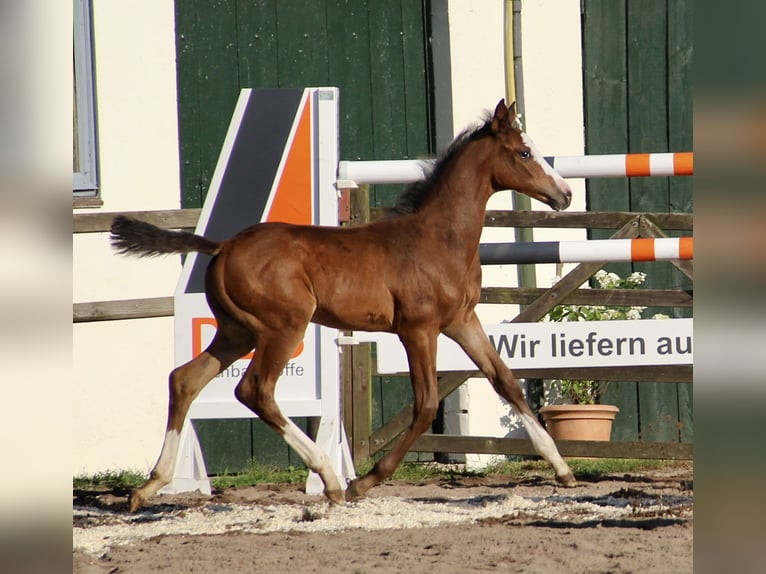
(517, 164)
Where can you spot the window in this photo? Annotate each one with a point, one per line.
(84, 156)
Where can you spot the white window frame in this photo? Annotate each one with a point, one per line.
(85, 179)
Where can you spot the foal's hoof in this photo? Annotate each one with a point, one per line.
(135, 500)
(567, 480)
(336, 496)
(352, 492)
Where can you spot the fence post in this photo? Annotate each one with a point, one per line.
(357, 363)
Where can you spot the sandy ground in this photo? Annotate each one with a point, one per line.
(632, 523)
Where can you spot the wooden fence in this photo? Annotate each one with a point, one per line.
(357, 367)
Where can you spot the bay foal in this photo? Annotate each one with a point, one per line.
(415, 273)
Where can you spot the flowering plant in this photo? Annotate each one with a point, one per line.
(589, 392)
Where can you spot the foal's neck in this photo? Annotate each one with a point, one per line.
(458, 200)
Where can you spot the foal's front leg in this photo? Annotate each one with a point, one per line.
(421, 354)
(471, 337)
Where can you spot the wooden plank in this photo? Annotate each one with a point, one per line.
(680, 133)
(187, 219)
(662, 373)
(346, 389)
(680, 97)
(270, 448)
(388, 97)
(302, 44)
(609, 449)
(348, 63)
(361, 358)
(125, 309)
(168, 219)
(189, 19)
(686, 413)
(605, 76)
(226, 444)
(208, 89)
(419, 138)
(584, 219)
(257, 44)
(606, 105)
(648, 78)
(623, 393)
(622, 297)
(361, 405)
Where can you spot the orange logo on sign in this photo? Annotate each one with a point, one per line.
(199, 322)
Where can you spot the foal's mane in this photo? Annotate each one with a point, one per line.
(411, 200)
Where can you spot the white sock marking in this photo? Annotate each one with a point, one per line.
(167, 462)
(544, 444)
(316, 459)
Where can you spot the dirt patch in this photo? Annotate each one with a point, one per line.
(633, 523)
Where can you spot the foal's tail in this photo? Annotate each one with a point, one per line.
(133, 237)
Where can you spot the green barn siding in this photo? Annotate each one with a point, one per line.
(375, 51)
(636, 70)
(230, 445)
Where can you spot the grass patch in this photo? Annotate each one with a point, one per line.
(409, 471)
(598, 468)
(259, 474)
(586, 469)
(110, 479)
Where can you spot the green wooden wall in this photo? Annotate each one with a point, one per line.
(637, 57)
(375, 51)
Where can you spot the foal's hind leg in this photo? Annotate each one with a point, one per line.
(471, 337)
(186, 382)
(256, 391)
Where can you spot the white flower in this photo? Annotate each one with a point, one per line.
(634, 313)
(607, 280)
(636, 278)
(660, 316)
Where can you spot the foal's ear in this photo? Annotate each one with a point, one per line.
(501, 121)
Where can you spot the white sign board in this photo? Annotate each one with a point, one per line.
(278, 163)
(551, 345)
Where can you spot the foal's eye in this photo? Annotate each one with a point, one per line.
(525, 154)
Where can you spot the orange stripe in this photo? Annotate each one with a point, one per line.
(686, 248)
(683, 163)
(642, 249)
(198, 322)
(637, 164)
(292, 200)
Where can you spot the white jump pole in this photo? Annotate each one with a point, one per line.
(352, 174)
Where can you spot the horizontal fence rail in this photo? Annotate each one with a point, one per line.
(611, 250)
(151, 307)
(355, 173)
(187, 219)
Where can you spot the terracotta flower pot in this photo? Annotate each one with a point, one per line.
(579, 422)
